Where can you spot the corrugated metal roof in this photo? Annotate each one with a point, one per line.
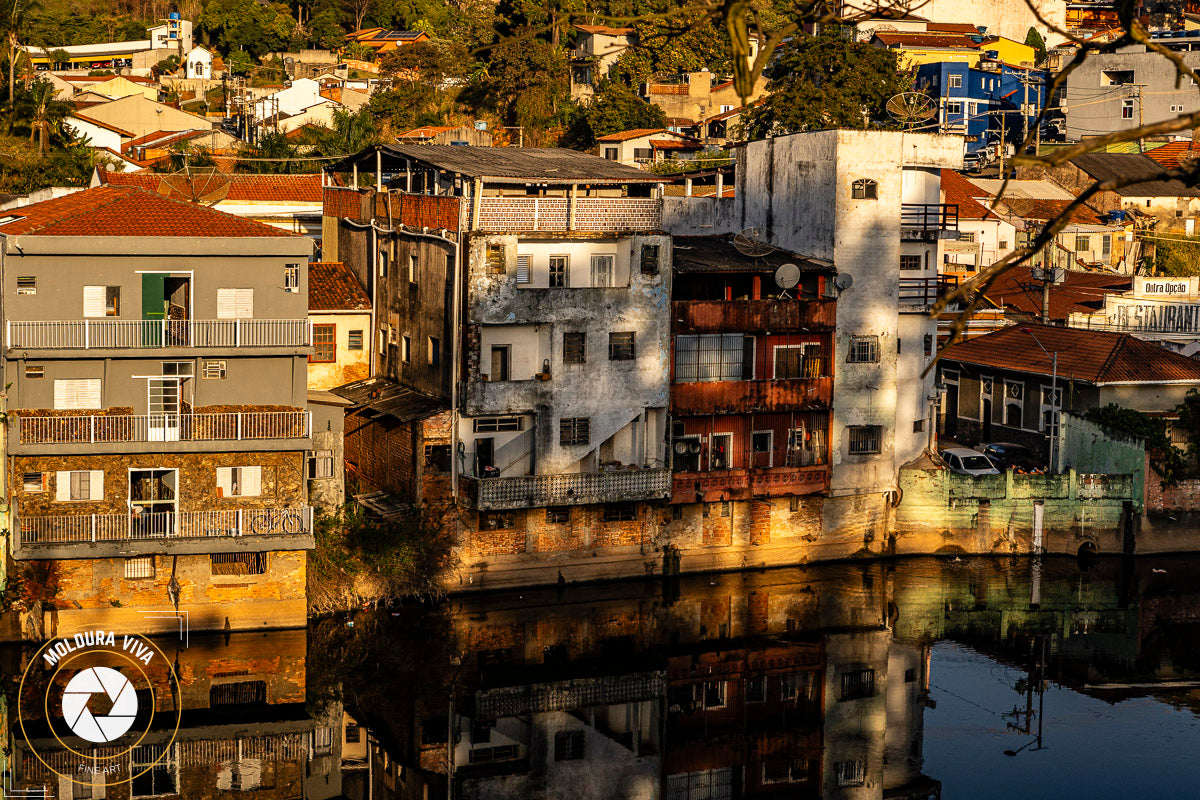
(717, 254)
(1133, 166)
(385, 396)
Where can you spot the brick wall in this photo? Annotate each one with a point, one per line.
(760, 522)
(379, 455)
(1183, 496)
(552, 214)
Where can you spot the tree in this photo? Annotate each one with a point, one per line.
(359, 9)
(239, 62)
(351, 132)
(247, 25)
(614, 108)
(527, 84)
(1034, 39)
(428, 62)
(44, 111)
(827, 81)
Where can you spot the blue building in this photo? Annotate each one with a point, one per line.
(976, 101)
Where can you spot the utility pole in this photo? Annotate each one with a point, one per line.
(1002, 145)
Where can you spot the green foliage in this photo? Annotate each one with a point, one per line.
(681, 43)
(281, 152)
(613, 108)
(258, 28)
(239, 62)
(527, 85)
(1167, 459)
(168, 66)
(827, 81)
(351, 132)
(1178, 257)
(1189, 425)
(1034, 39)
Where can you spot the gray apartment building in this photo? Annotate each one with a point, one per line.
(155, 355)
(1118, 91)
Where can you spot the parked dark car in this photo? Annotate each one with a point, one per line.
(1013, 456)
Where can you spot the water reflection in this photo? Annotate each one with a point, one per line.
(806, 683)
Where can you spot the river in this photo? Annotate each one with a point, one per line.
(921, 678)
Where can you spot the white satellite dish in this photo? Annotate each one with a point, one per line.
(750, 242)
(843, 281)
(787, 277)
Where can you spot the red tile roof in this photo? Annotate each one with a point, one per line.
(1097, 357)
(1041, 209)
(674, 144)
(332, 286)
(1080, 292)
(899, 39)
(633, 133)
(952, 27)
(605, 30)
(128, 211)
(1170, 153)
(961, 192)
(262, 188)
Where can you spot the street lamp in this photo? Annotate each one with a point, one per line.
(1053, 397)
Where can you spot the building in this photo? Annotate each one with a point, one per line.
(696, 96)
(447, 134)
(984, 236)
(916, 49)
(984, 103)
(139, 116)
(1157, 309)
(172, 37)
(596, 50)
(198, 64)
(645, 146)
(156, 356)
(340, 312)
(1000, 387)
(382, 40)
(1008, 18)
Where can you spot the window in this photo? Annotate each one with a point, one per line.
(953, 107)
(1051, 403)
(239, 481)
(495, 259)
(33, 482)
(620, 346)
(1116, 77)
(213, 370)
(433, 347)
(522, 269)
(353, 734)
(714, 694)
(1014, 404)
(1126, 109)
(574, 431)
(291, 277)
(155, 769)
(1106, 246)
(383, 263)
(84, 393)
(102, 301)
(602, 270)
(918, 426)
(927, 343)
(858, 683)
(568, 745)
(1083, 244)
(756, 689)
(437, 458)
(864, 189)
(850, 773)
(406, 350)
(863, 350)
(26, 284)
(643, 154)
(610, 153)
(910, 262)
(235, 303)
(412, 268)
(910, 675)
(496, 520)
(795, 686)
(383, 340)
(619, 512)
(795, 504)
(238, 563)
(497, 424)
(865, 439)
(781, 769)
(320, 465)
(558, 515)
(324, 344)
(574, 347)
(354, 340)
(966, 237)
(35, 371)
(762, 448)
(79, 485)
(558, 272)
(714, 357)
(649, 259)
(1003, 244)
(139, 568)
(956, 81)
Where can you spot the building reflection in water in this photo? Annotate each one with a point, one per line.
(790, 683)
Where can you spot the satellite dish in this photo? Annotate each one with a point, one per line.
(681, 447)
(843, 281)
(203, 185)
(694, 447)
(750, 242)
(911, 108)
(787, 276)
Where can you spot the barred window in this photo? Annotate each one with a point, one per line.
(864, 189)
(558, 272)
(574, 431)
(620, 512)
(496, 520)
(497, 424)
(850, 773)
(324, 344)
(858, 683)
(568, 745)
(649, 259)
(865, 439)
(213, 370)
(238, 563)
(495, 259)
(354, 340)
(620, 346)
(863, 350)
(714, 357)
(139, 567)
(557, 515)
(574, 347)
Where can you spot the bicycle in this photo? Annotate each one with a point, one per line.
(273, 520)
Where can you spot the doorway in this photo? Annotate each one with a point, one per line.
(485, 456)
(153, 501)
(163, 405)
(499, 363)
(987, 419)
(950, 415)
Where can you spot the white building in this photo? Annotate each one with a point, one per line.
(199, 63)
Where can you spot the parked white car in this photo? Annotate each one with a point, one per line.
(964, 461)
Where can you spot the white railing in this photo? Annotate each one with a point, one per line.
(86, 528)
(111, 428)
(140, 334)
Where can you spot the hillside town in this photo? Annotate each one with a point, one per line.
(329, 309)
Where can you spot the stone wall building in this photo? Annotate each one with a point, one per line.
(156, 354)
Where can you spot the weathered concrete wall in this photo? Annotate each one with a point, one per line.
(701, 216)
(328, 436)
(1086, 447)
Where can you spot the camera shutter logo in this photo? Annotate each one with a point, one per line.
(99, 681)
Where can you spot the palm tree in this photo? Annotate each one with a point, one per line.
(46, 112)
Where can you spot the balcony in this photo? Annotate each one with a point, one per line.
(923, 293)
(752, 397)
(180, 532)
(929, 220)
(745, 484)
(534, 491)
(567, 214)
(161, 429)
(753, 316)
(157, 334)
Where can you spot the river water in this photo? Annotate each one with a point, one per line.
(922, 678)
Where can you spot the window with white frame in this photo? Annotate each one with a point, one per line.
(864, 189)
(79, 485)
(956, 81)
(910, 262)
(714, 357)
(102, 301)
(1014, 404)
(26, 284)
(77, 393)
(291, 277)
(213, 370)
(1126, 109)
(558, 271)
(320, 465)
(602, 270)
(139, 567)
(1106, 245)
(235, 303)
(1050, 405)
(239, 481)
(522, 269)
(954, 107)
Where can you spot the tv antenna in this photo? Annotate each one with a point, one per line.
(787, 277)
(203, 185)
(911, 108)
(751, 242)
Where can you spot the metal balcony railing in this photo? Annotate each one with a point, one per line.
(533, 491)
(929, 216)
(108, 429)
(143, 334)
(88, 528)
(924, 292)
